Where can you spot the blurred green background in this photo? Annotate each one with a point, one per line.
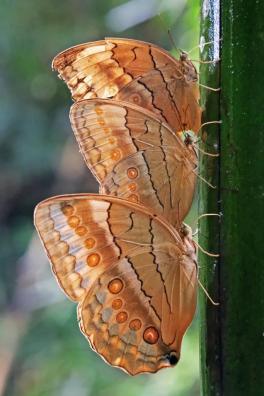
(42, 351)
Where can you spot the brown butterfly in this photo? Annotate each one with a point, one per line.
(132, 274)
(135, 156)
(137, 72)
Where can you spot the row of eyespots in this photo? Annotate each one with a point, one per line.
(92, 259)
(122, 316)
(115, 286)
(72, 285)
(150, 335)
(116, 155)
(132, 173)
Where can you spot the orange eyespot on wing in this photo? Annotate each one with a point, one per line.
(136, 285)
(137, 72)
(145, 162)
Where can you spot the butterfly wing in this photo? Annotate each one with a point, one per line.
(165, 92)
(137, 72)
(130, 272)
(135, 156)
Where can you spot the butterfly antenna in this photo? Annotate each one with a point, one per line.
(168, 32)
(207, 294)
(173, 42)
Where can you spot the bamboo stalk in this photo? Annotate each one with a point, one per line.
(232, 342)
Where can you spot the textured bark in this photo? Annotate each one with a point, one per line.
(232, 334)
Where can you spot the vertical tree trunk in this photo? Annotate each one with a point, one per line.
(232, 335)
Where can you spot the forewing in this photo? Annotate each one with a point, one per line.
(135, 156)
(135, 71)
(166, 92)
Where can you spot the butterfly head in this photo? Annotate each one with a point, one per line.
(184, 56)
(186, 234)
(185, 231)
(188, 139)
(189, 70)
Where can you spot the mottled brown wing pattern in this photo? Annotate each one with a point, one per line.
(167, 95)
(132, 274)
(137, 72)
(135, 156)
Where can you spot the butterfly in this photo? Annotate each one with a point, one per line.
(137, 72)
(132, 274)
(135, 156)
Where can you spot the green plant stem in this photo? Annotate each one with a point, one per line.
(232, 341)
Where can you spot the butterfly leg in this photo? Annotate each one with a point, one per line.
(200, 217)
(203, 179)
(205, 251)
(196, 243)
(205, 62)
(205, 215)
(205, 152)
(202, 45)
(209, 123)
(207, 294)
(209, 88)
